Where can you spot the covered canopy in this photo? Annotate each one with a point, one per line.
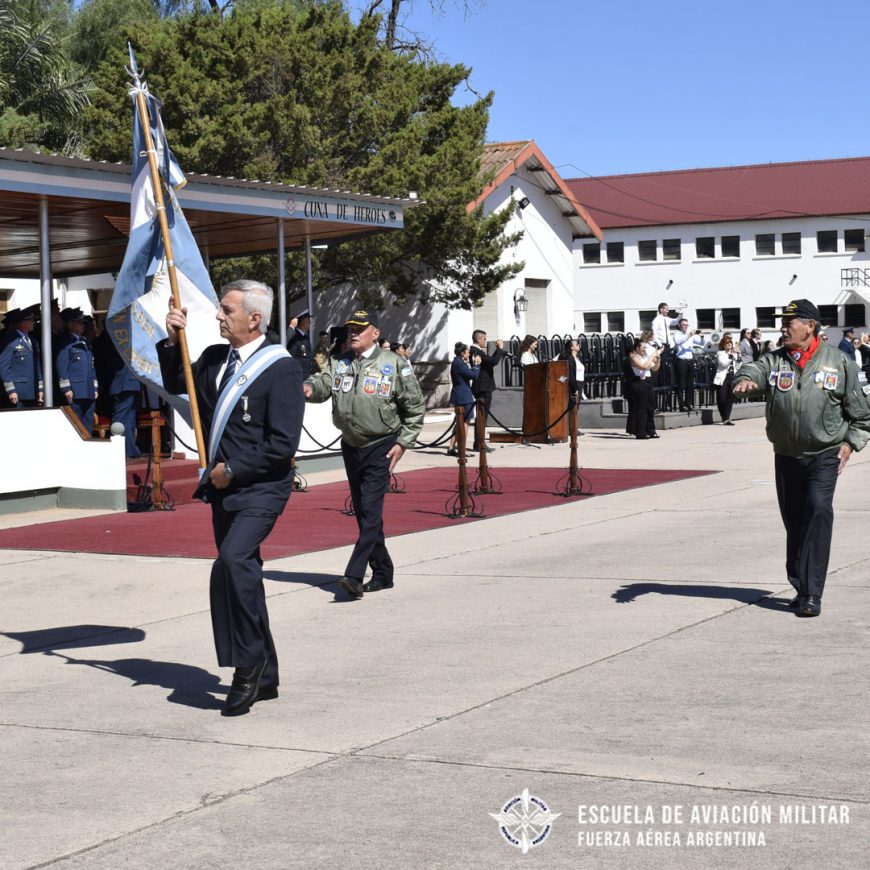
(88, 205)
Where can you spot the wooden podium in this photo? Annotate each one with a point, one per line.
(545, 399)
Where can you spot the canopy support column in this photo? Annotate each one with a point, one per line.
(282, 285)
(45, 302)
(309, 287)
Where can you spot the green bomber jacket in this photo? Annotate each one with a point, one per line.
(814, 409)
(372, 397)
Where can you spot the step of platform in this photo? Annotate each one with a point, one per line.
(180, 478)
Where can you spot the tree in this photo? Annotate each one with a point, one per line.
(296, 92)
(42, 93)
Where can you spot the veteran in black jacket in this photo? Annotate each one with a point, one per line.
(251, 404)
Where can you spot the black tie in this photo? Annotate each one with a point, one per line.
(232, 365)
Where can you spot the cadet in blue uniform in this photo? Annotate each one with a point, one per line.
(299, 343)
(76, 374)
(20, 369)
(121, 385)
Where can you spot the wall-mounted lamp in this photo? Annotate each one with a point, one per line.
(522, 203)
(793, 279)
(669, 285)
(521, 303)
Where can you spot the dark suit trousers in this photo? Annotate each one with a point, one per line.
(124, 412)
(685, 382)
(368, 473)
(239, 617)
(805, 489)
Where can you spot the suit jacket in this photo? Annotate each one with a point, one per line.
(20, 368)
(461, 376)
(74, 361)
(485, 381)
(258, 450)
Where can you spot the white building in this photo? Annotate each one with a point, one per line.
(730, 244)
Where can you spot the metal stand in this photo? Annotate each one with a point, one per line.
(485, 483)
(572, 483)
(462, 504)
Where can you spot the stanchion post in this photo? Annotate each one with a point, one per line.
(157, 490)
(464, 502)
(484, 482)
(572, 431)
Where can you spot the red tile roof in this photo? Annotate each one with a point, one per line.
(729, 193)
(501, 160)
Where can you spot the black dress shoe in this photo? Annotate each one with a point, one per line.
(810, 606)
(654, 435)
(452, 452)
(378, 583)
(245, 689)
(267, 693)
(352, 586)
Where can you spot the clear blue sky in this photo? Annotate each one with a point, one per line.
(621, 86)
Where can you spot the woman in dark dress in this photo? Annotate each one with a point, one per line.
(461, 376)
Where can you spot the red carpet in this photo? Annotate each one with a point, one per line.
(314, 520)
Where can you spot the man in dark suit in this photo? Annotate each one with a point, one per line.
(251, 404)
(484, 383)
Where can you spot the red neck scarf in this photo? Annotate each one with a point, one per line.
(802, 357)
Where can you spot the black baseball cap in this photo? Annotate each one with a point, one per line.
(803, 309)
(363, 317)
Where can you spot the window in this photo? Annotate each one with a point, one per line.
(647, 251)
(705, 247)
(730, 247)
(855, 314)
(730, 318)
(592, 322)
(616, 252)
(645, 319)
(592, 253)
(765, 245)
(764, 317)
(854, 240)
(706, 318)
(616, 321)
(671, 249)
(791, 243)
(828, 313)
(827, 241)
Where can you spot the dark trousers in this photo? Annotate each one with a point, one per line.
(725, 398)
(805, 489)
(641, 408)
(124, 412)
(486, 399)
(368, 473)
(84, 409)
(686, 382)
(239, 618)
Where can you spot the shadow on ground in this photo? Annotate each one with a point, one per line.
(745, 595)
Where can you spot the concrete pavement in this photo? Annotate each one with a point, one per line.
(628, 659)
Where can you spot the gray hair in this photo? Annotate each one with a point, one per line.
(257, 298)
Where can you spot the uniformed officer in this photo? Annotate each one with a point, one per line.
(817, 416)
(299, 343)
(378, 406)
(20, 368)
(74, 361)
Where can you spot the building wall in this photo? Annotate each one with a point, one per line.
(546, 250)
(745, 282)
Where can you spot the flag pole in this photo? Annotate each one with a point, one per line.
(170, 265)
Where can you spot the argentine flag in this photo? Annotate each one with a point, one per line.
(137, 313)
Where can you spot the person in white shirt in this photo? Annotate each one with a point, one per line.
(662, 325)
(684, 344)
(527, 351)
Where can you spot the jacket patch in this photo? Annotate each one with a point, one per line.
(336, 383)
(831, 380)
(347, 383)
(387, 369)
(370, 385)
(785, 381)
(384, 388)
(406, 371)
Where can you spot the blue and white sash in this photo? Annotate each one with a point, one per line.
(256, 364)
